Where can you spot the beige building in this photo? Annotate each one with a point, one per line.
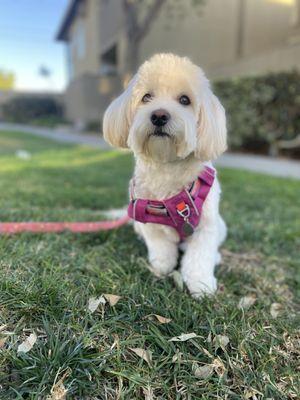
(227, 38)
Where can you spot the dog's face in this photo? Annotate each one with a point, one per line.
(167, 113)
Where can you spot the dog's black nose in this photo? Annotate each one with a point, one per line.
(160, 117)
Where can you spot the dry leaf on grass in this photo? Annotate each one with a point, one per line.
(183, 337)
(252, 394)
(2, 342)
(246, 302)
(177, 357)
(58, 392)
(112, 299)
(219, 367)
(28, 343)
(2, 327)
(146, 355)
(162, 320)
(220, 341)
(204, 372)
(206, 352)
(148, 393)
(94, 303)
(276, 309)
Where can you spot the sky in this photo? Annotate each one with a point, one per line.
(27, 42)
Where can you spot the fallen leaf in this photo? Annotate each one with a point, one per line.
(28, 343)
(2, 342)
(177, 357)
(219, 367)
(161, 319)
(206, 352)
(183, 337)
(2, 327)
(146, 355)
(176, 275)
(94, 303)
(252, 394)
(276, 309)
(112, 299)
(221, 341)
(148, 393)
(204, 372)
(58, 392)
(246, 302)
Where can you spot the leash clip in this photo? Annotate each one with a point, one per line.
(183, 210)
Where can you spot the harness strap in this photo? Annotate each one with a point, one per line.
(181, 211)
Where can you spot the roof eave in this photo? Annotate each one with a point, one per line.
(62, 34)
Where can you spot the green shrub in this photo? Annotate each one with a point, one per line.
(261, 111)
(94, 126)
(29, 108)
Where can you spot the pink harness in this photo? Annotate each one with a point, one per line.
(182, 211)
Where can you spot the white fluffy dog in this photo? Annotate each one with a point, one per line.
(174, 124)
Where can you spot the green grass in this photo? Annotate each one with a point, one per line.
(46, 281)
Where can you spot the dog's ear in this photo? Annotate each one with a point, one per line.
(117, 118)
(212, 132)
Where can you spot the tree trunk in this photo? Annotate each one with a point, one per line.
(136, 31)
(132, 56)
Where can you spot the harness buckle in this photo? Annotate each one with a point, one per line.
(183, 210)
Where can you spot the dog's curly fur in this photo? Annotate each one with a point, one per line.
(165, 164)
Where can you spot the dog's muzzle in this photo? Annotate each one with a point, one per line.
(160, 117)
(160, 133)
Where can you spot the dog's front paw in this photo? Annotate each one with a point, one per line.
(201, 287)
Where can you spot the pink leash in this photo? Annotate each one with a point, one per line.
(10, 228)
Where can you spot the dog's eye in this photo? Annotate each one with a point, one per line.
(184, 100)
(146, 98)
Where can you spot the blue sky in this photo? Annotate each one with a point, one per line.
(27, 41)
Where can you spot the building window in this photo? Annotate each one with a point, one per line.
(109, 61)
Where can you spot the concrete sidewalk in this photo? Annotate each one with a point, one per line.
(281, 167)
(60, 135)
(261, 164)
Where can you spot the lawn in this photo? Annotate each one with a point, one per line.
(247, 336)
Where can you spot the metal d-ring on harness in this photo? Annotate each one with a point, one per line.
(184, 211)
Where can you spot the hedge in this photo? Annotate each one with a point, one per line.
(262, 112)
(29, 108)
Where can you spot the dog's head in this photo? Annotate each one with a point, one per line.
(167, 112)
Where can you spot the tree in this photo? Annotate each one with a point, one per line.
(7, 80)
(46, 74)
(137, 27)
